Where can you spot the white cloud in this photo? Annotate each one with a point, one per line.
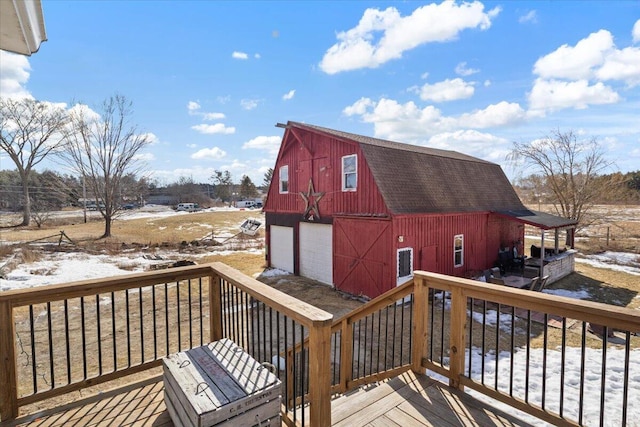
(257, 56)
(635, 33)
(410, 123)
(214, 129)
(472, 142)
(270, 144)
(574, 76)
(249, 104)
(151, 138)
(487, 83)
(214, 153)
(145, 157)
(462, 70)
(14, 73)
(622, 65)
(552, 95)
(192, 145)
(193, 106)
(239, 55)
(213, 116)
(198, 173)
(500, 114)
(531, 16)
(447, 90)
(576, 62)
(289, 95)
(357, 48)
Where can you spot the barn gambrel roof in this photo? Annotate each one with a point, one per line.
(416, 179)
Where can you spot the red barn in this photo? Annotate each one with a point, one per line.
(361, 213)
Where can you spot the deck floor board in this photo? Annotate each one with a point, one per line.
(406, 400)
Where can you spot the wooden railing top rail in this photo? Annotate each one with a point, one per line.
(590, 311)
(300, 311)
(49, 293)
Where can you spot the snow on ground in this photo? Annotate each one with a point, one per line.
(64, 267)
(613, 390)
(618, 261)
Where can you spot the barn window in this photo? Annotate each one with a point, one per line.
(349, 172)
(458, 250)
(405, 263)
(284, 179)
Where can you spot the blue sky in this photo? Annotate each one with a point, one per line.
(209, 80)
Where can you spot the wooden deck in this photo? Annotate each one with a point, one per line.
(406, 400)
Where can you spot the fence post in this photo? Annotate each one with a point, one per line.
(215, 308)
(420, 323)
(8, 377)
(320, 373)
(456, 340)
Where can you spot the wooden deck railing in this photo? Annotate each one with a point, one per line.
(59, 339)
(530, 350)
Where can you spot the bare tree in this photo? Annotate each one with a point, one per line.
(102, 149)
(571, 169)
(29, 131)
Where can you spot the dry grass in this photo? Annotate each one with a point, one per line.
(143, 231)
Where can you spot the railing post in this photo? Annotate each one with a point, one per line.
(320, 373)
(420, 324)
(8, 378)
(215, 308)
(456, 340)
(346, 354)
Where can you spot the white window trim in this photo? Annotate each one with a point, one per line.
(285, 167)
(343, 176)
(461, 250)
(402, 279)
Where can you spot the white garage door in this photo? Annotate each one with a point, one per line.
(316, 252)
(281, 247)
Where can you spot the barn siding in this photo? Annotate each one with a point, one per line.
(423, 232)
(320, 157)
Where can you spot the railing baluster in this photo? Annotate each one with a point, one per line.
(583, 351)
(545, 344)
(98, 334)
(155, 324)
(34, 371)
(113, 332)
(625, 389)
(141, 310)
(603, 379)
(190, 317)
(128, 311)
(67, 345)
(83, 339)
(563, 359)
(50, 336)
(166, 317)
(179, 322)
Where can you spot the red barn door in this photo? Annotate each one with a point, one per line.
(363, 255)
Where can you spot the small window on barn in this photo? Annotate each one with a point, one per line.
(405, 264)
(349, 172)
(284, 179)
(458, 250)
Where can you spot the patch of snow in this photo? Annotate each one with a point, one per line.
(274, 272)
(581, 294)
(531, 381)
(617, 261)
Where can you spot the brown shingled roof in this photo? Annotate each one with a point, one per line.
(415, 179)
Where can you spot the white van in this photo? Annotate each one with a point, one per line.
(188, 207)
(245, 204)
